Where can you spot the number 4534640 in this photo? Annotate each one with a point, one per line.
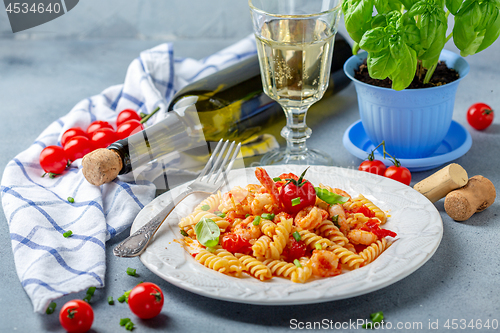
(39, 8)
(478, 324)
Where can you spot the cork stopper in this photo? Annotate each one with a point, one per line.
(101, 166)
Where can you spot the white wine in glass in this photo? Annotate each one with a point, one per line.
(295, 47)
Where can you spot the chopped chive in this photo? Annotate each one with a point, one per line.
(68, 233)
(296, 235)
(295, 201)
(124, 321)
(131, 271)
(183, 233)
(91, 291)
(297, 263)
(51, 308)
(121, 299)
(129, 326)
(377, 317)
(256, 220)
(267, 216)
(70, 199)
(247, 215)
(223, 215)
(127, 294)
(318, 246)
(110, 300)
(335, 220)
(205, 207)
(277, 179)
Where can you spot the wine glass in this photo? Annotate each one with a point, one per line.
(295, 46)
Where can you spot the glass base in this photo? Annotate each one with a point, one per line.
(283, 156)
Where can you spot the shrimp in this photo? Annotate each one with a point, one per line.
(325, 263)
(247, 230)
(363, 237)
(338, 210)
(262, 203)
(268, 183)
(341, 192)
(236, 200)
(310, 217)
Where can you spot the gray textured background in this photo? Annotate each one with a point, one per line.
(46, 70)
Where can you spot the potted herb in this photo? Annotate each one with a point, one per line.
(404, 40)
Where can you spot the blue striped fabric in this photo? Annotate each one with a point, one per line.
(37, 209)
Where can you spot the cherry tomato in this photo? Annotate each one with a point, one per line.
(76, 316)
(71, 133)
(126, 115)
(373, 166)
(480, 116)
(146, 300)
(103, 137)
(128, 128)
(399, 173)
(96, 125)
(373, 225)
(295, 191)
(78, 147)
(364, 210)
(294, 250)
(235, 243)
(53, 159)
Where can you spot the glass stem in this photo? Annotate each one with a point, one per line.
(296, 131)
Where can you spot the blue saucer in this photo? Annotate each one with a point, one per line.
(455, 144)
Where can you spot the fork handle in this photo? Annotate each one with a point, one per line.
(136, 243)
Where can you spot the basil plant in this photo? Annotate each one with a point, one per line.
(404, 37)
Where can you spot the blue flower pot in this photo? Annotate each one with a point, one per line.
(412, 122)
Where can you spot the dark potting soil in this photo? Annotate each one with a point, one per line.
(442, 75)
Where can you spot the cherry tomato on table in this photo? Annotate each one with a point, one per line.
(126, 115)
(53, 159)
(373, 166)
(480, 116)
(77, 147)
(128, 128)
(146, 300)
(97, 125)
(71, 133)
(399, 173)
(297, 194)
(76, 316)
(103, 137)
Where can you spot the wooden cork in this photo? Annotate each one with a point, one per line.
(442, 182)
(101, 166)
(476, 196)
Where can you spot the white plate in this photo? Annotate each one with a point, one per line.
(414, 218)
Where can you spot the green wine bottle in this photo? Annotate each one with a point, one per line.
(230, 104)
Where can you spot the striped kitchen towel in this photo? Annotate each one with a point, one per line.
(37, 208)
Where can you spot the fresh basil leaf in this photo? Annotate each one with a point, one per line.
(329, 197)
(491, 34)
(380, 64)
(207, 232)
(405, 71)
(375, 40)
(453, 6)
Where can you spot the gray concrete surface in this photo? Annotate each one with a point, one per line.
(46, 70)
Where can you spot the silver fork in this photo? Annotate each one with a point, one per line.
(207, 183)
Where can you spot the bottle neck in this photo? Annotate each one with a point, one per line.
(122, 148)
